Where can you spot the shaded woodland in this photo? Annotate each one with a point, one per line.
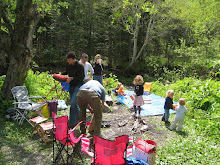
(162, 40)
(172, 43)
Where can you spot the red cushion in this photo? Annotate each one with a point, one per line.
(60, 77)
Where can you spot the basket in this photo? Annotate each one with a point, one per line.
(145, 150)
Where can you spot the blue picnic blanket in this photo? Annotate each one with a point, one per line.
(134, 161)
(154, 103)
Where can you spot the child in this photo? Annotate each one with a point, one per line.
(167, 106)
(138, 92)
(180, 115)
(117, 88)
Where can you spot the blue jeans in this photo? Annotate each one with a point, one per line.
(166, 114)
(98, 78)
(74, 108)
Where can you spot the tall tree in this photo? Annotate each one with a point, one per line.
(134, 14)
(18, 22)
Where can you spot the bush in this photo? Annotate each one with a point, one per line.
(110, 82)
(4, 104)
(43, 84)
(202, 100)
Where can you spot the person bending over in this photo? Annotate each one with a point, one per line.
(91, 94)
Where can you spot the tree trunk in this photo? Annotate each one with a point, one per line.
(136, 54)
(20, 49)
(16, 74)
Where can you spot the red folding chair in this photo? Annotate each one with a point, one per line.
(107, 152)
(66, 141)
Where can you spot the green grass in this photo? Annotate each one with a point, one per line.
(189, 150)
(19, 146)
(198, 143)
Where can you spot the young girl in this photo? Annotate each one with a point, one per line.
(138, 92)
(117, 88)
(167, 106)
(181, 111)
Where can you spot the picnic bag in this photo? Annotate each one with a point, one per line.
(44, 110)
(52, 106)
(145, 150)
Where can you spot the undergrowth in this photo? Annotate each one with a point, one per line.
(197, 144)
(202, 123)
(202, 101)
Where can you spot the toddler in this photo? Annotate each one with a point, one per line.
(181, 111)
(138, 92)
(119, 90)
(167, 106)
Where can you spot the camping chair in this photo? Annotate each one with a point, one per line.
(43, 128)
(65, 140)
(107, 152)
(147, 87)
(24, 104)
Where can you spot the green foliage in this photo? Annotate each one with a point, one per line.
(2, 79)
(215, 66)
(202, 100)
(199, 44)
(130, 12)
(40, 84)
(4, 104)
(110, 82)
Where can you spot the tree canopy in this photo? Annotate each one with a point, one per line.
(150, 38)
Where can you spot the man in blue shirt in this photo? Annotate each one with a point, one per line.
(91, 94)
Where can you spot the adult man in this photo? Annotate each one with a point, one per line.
(87, 67)
(75, 71)
(91, 93)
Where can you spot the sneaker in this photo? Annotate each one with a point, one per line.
(89, 135)
(167, 123)
(71, 125)
(170, 128)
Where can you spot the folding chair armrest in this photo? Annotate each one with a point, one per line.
(87, 123)
(129, 151)
(85, 143)
(29, 102)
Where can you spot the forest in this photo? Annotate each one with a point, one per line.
(171, 43)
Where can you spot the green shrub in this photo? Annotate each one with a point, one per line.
(202, 100)
(4, 104)
(110, 82)
(43, 84)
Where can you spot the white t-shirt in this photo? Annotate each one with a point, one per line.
(87, 68)
(180, 113)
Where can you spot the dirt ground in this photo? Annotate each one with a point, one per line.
(122, 122)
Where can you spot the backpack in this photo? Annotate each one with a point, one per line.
(11, 114)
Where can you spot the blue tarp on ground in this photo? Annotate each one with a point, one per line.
(156, 107)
